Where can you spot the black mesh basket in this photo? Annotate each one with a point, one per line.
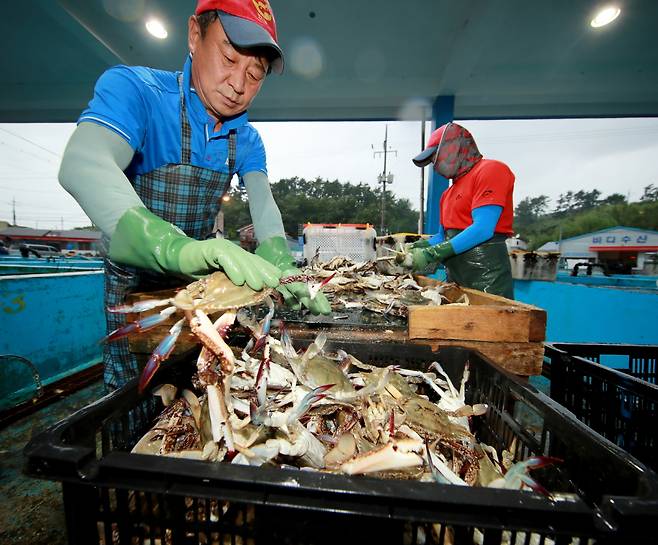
(114, 497)
(619, 406)
(638, 360)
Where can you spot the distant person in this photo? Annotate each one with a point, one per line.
(3, 249)
(25, 251)
(476, 214)
(155, 151)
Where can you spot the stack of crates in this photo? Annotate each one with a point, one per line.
(620, 404)
(355, 241)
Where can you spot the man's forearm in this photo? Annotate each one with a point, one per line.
(265, 213)
(484, 223)
(92, 172)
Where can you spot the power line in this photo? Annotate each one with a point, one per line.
(31, 142)
(21, 150)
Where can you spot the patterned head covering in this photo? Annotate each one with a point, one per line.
(452, 150)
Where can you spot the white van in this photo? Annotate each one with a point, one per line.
(39, 250)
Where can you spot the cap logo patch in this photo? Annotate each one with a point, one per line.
(263, 9)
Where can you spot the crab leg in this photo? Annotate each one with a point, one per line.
(161, 353)
(215, 412)
(425, 377)
(262, 378)
(140, 325)
(140, 306)
(436, 365)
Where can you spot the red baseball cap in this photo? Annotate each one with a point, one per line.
(248, 24)
(426, 156)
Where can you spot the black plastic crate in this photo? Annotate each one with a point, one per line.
(637, 360)
(622, 408)
(112, 496)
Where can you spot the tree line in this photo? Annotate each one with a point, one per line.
(323, 201)
(581, 212)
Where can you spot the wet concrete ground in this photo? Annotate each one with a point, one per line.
(32, 511)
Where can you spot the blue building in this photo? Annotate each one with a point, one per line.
(624, 250)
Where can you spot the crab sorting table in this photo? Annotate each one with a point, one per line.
(508, 332)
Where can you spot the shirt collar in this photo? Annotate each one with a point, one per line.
(198, 110)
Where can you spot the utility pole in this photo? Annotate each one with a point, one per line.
(61, 223)
(384, 177)
(13, 202)
(421, 216)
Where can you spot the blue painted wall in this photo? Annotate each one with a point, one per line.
(53, 320)
(580, 313)
(617, 280)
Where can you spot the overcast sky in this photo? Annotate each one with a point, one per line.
(549, 157)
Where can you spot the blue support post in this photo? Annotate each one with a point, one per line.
(443, 111)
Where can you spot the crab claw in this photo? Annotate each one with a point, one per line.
(286, 342)
(203, 328)
(521, 468)
(314, 289)
(265, 327)
(161, 353)
(438, 477)
(393, 455)
(259, 344)
(309, 399)
(140, 325)
(256, 414)
(534, 485)
(517, 476)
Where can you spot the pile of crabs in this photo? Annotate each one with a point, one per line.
(375, 286)
(266, 403)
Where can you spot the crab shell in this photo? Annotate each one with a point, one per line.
(216, 293)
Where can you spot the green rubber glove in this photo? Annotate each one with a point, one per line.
(275, 250)
(142, 239)
(421, 243)
(432, 256)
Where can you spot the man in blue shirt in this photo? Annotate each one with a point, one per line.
(154, 153)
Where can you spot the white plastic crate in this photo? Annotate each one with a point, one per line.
(356, 242)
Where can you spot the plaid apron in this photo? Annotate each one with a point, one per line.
(183, 194)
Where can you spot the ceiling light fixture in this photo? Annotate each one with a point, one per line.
(605, 16)
(156, 29)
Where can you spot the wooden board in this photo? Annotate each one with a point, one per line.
(523, 359)
(487, 317)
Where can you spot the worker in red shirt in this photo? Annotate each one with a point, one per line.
(476, 214)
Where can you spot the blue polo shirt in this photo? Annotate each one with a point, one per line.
(142, 105)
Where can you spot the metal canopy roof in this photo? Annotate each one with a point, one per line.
(356, 59)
